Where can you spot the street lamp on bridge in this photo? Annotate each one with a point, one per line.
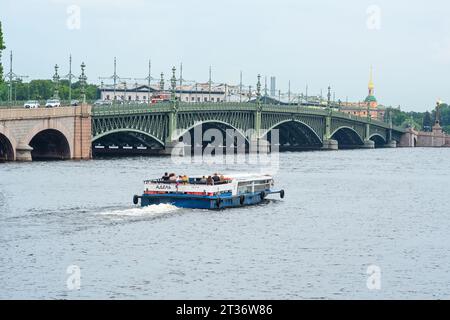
(56, 78)
(12, 77)
(83, 80)
(115, 78)
(69, 76)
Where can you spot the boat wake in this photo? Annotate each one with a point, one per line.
(148, 211)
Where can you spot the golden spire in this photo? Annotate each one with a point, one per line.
(371, 85)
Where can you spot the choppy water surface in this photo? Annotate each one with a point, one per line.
(343, 212)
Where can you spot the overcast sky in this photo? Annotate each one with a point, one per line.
(314, 42)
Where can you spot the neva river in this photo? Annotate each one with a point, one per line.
(344, 212)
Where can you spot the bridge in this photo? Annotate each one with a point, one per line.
(79, 132)
(41, 134)
(158, 128)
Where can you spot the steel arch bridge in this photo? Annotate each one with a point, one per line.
(299, 127)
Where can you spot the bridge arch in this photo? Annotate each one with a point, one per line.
(126, 142)
(240, 140)
(50, 140)
(347, 138)
(7, 145)
(183, 131)
(104, 134)
(378, 139)
(295, 135)
(50, 144)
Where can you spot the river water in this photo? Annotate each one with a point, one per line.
(344, 213)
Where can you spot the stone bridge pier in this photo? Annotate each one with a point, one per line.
(45, 134)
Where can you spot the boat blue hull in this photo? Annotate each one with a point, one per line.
(206, 202)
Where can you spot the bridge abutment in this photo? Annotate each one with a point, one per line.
(368, 144)
(82, 133)
(391, 144)
(330, 144)
(23, 152)
(409, 138)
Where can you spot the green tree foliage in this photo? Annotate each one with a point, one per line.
(43, 89)
(427, 122)
(445, 117)
(420, 120)
(2, 47)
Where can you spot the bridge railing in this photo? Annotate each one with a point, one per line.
(130, 108)
(20, 104)
(236, 106)
(15, 114)
(133, 108)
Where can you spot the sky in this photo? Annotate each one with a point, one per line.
(314, 43)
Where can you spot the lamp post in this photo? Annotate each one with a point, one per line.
(289, 92)
(240, 87)
(69, 76)
(329, 97)
(56, 83)
(83, 80)
(438, 112)
(209, 84)
(115, 77)
(173, 83)
(161, 82)
(258, 91)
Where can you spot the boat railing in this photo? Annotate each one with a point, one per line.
(194, 181)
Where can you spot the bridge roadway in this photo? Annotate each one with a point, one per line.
(78, 132)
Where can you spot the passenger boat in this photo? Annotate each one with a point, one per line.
(196, 193)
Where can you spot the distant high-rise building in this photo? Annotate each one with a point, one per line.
(272, 86)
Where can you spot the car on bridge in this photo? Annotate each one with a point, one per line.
(74, 103)
(53, 103)
(103, 102)
(31, 104)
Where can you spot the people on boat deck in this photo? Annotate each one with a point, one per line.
(184, 179)
(216, 177)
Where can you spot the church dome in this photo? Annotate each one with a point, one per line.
(370, 98)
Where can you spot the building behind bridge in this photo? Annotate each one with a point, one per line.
(192, 93)
(368, 106)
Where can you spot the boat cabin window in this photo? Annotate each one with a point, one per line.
(254, 186)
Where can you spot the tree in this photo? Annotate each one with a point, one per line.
(427, 122)
(2, 47)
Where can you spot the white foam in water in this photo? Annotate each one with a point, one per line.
(153, 210)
